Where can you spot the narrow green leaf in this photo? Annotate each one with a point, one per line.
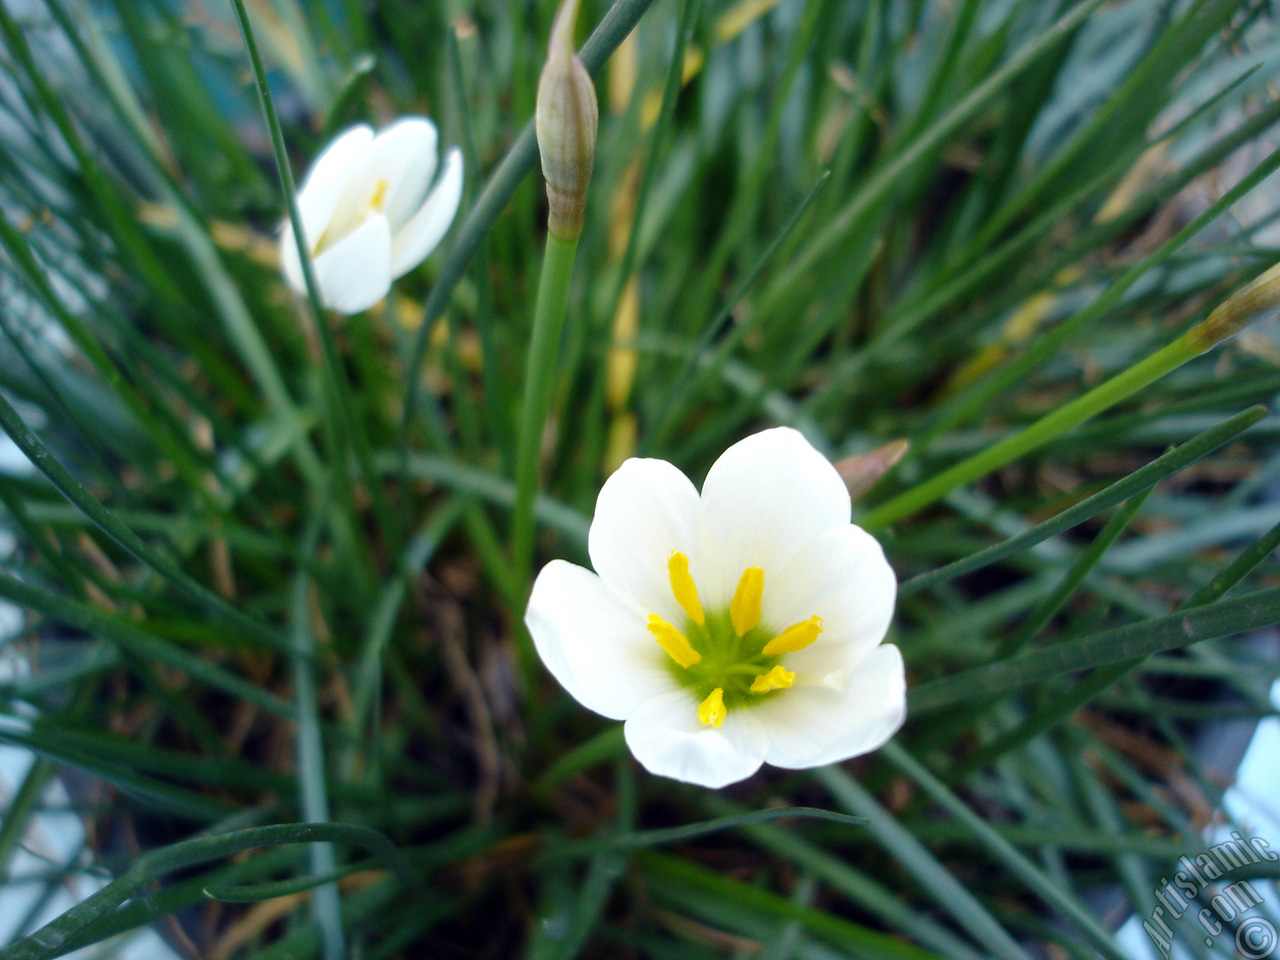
(49, 940)
(1052, 895)
(1249, 612)
(326, 902)
(1044, 611)
(948, 892)
(863, 890)
(870, 943)
(1067, 703)
(258, 892)
(654, 838)
(1141, 479)
(884, 180)
(108, 523)
(135, 640)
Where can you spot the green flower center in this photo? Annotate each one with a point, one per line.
(727, 658)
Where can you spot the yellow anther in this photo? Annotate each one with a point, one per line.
(775, 679)
(673, 641)
(744, 608)
(795, 637)
(711, 711)
(684, 588)
(379, 195)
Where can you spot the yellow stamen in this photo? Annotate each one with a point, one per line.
(684, 588)
(711, 711)
(379, 195)
(775, 679)
(795, 637)
(673, 641)
(744, 608)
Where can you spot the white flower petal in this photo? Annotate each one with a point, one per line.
(766, 497)
(811, 725)
(354, 273)
(598, 649)
(426, 228)
(646, 509)
(665, 735)
(404, 157)
(842, 576)
(328, 177)
(318, 196)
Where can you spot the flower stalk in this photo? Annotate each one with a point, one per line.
(540, 376)
(565, 121)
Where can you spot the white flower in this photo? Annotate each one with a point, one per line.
(370, 212)
(731, 629)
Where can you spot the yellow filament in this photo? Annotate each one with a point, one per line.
(379, 195)
(775, 679)
(673, 641)
(795, 637)
(744, 608)
(711, 711)
(684, 588)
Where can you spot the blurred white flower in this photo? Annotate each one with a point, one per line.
(371, 212)
(730, 629)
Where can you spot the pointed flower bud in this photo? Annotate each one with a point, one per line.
(1254, 299)
(565, 122)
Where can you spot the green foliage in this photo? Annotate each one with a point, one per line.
(274, 562)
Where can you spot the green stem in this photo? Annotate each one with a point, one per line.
(500, 187)
(544, 350)
(1226, 320)
(981, 397)
(1100, 398)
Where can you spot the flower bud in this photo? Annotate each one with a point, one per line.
(565, 122)
(1251, 301)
